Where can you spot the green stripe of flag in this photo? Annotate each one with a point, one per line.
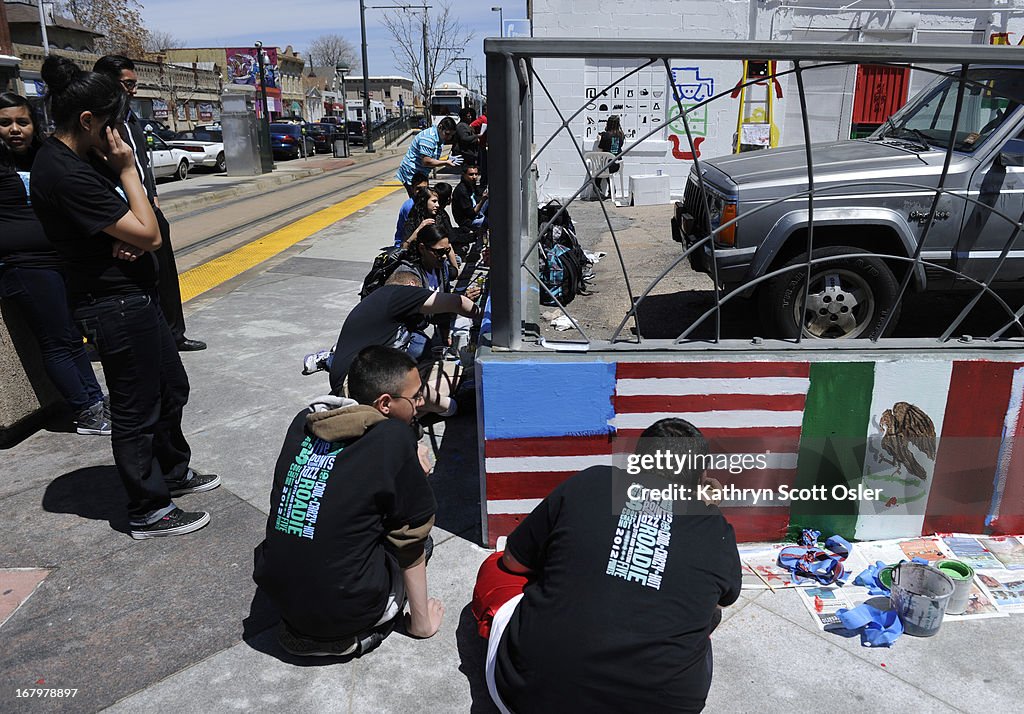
(832, 443)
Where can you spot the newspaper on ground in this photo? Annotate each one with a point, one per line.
(981, 606)
(1008, 549)
(763, 560)
(1006, 589)
(824, 601)
(967, 549)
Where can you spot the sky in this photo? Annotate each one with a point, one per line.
(232, 23)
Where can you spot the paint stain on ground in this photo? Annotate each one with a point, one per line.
(19, 584)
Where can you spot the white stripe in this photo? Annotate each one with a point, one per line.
(713, 420)
(526, 505)
(572, 464)
(515, 464)
(680, 386)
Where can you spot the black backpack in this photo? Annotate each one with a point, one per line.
(386, 262)
(562, 261)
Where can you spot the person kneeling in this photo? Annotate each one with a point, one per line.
(350, 515)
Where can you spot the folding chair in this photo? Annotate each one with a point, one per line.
(597, 163)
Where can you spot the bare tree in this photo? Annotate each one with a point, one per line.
(330, 50)
(157, 40)
(446, 38)
(120, 22)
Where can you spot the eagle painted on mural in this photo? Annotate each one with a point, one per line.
(902, 426)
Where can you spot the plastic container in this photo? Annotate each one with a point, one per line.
(962, 576)
(919, 596)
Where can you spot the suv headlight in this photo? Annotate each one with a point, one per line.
(723, 212)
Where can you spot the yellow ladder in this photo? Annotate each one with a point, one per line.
(756, 117)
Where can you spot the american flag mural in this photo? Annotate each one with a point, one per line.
(937, 437)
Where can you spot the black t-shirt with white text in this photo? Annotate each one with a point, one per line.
(385, 317)
(75, 201)
(617, 615)
(332, 505)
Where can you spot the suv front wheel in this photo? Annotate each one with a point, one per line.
(850, 296)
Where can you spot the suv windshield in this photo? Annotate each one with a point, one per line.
(990, 97)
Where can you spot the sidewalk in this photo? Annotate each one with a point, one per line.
(172, 624)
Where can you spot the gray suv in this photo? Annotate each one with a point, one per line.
(873, 199)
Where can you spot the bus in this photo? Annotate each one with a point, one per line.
(449, 97)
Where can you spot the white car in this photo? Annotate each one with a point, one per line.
(168, 160)
(204, 145)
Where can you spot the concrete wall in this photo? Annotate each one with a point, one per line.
(818, 419)
(26, 394)
(829, 91)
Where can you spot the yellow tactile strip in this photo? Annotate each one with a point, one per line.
(219, 270)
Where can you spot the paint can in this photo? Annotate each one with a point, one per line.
(962, 576)
(919, 596)
(885, 576)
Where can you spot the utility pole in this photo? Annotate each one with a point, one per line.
(42, 29)
(366, 82)
(266, 155)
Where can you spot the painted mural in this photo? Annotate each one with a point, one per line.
(936, 444)
(639, 100)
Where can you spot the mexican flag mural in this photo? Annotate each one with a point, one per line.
(868, 450)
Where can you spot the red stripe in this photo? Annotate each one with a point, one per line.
(684, 370)
(709, 402)
(524, 484)
(961, 491)
(757, 523)
(549, 446)
(786, 437)
(501, 524)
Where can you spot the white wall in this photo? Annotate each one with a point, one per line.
(829, 92)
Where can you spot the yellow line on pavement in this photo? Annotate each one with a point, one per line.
(219, 270)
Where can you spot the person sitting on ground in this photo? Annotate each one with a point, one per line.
(424, 153)
(469, 205)
(467, 142)
(31, 274)
(425, 208)
(460, 238)
(418, 181)
(350, 516)
(615, 596)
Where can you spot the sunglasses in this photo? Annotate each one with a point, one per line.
(129, 84)
(439, 252)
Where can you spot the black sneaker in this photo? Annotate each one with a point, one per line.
(94, 420)
(295, 644)
(177, 522)
(197, 483)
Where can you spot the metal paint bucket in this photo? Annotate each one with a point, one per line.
(962, 576)
(919, 596)
(885, 576)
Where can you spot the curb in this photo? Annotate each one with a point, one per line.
(185, 204)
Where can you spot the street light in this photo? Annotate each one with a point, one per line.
(342, 69)
(266, 157)
(366, 84)
(501, 20)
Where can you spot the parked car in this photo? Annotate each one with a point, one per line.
(204, 145)
(168, 160)
(356, 132)
(287, 140)
(323, 137)
(872, 195)
(157, 127)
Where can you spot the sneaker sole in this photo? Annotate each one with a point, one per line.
(84, 431)
(298, 653)
(197, 489)
(180, 530)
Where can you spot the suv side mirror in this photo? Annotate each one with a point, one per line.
(1012, 153)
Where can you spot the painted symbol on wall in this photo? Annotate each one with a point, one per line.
(690, 86)
(903, 426)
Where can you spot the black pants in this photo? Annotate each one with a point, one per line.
(148, 388)
(167, 285)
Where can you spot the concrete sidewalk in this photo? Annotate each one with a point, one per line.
(173, 624)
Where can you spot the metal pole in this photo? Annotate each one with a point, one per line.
(42, 29)
(366, 82)
(266, 153)
(344, 115)
(501, 22)
(428, 85)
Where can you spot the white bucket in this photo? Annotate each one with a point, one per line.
(919, 596)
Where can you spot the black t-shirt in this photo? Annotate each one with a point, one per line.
(618, 614)
(384, 317)
(75, 202)
(332, 505)
(464, 202)
(22, 239)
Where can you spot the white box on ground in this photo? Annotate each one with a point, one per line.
(650, 189)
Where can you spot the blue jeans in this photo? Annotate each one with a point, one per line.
(148, 390)
(42, 297)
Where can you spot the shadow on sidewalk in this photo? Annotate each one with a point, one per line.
(95, 493)
(472, 661)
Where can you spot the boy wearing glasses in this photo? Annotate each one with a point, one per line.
(350, 516)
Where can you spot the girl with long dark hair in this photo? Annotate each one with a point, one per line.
(89, 197)
(30, 271)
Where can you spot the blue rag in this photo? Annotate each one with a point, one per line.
(878, 628)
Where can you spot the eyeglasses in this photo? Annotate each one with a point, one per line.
(129, 84)
(414, 400)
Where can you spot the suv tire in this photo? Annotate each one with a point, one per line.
(849, 296)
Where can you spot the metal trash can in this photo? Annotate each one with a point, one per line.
(340, 148)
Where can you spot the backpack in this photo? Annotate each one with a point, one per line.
(562, 261)
(386, 263)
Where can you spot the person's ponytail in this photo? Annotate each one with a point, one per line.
(71, 91)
